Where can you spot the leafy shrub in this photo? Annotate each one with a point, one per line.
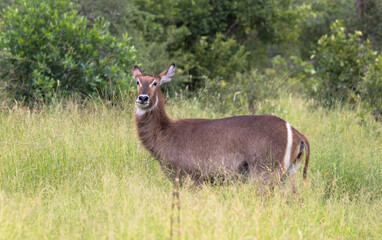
(299, 71)
(341, 63)
(218, 59)
(369, 19)
(371, 88)
(196, 34)
(53, 51)
(245, 91)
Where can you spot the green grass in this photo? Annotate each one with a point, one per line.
(74, 173)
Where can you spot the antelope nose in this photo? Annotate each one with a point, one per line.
(143, 98)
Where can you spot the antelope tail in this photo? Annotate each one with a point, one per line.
(307, 153)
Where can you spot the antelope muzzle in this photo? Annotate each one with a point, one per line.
(142, 100)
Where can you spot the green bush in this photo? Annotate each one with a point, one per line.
(52, 51)
(341, 63)
(371, 88)
(218, 59)
(369, 20)
(197, 34)
(244, 92)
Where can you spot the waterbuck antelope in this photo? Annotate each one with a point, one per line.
(257, 147)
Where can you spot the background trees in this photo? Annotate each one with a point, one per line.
(70, 47)
(48, 51)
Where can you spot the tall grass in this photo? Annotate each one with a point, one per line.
(68, 172)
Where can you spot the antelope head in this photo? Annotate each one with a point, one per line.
(148, 90)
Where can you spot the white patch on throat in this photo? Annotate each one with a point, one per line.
(288, 147)
(141, 111)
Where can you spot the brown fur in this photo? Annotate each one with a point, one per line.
(206, 148)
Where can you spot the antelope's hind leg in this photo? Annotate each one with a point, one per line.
(292, 170)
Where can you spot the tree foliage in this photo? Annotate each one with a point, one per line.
(58, 48)
(371, 88)
(342, 60)
(215, 38)
(49, 50)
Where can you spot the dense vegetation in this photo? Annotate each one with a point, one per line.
(49, 51)
(70, 164)
(53, 49)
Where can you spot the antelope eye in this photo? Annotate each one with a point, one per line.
(137, 83)
(154, 83)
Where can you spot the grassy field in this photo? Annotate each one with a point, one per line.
(74, 173)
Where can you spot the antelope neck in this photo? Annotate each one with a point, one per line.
(151, 127)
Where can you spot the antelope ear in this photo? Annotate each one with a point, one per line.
(136, 71)
(167, 74)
